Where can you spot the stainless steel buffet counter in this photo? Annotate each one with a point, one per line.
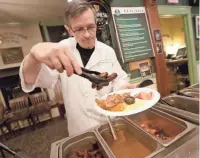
(159, 132)
(184, 107)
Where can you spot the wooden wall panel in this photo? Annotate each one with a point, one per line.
(160, 65)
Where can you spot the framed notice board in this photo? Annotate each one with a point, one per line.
(12, 55)
(132, 32)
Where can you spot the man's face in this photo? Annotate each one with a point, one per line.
(83, 28)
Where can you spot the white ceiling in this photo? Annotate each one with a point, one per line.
(15, 11)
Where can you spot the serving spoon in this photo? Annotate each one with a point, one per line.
(112, 128)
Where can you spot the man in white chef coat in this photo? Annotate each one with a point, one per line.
(47, 61)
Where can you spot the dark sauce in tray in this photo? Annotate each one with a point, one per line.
(128, 145)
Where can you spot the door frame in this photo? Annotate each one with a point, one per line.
(185, 12)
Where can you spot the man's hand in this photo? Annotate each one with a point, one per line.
(130, 86)
(55, 56)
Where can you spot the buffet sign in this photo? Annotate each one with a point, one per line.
(132, 31)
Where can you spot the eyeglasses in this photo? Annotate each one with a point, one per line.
(91, 29)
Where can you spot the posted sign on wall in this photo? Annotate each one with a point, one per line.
(132, 32)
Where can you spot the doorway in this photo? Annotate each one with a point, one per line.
(181, 38)
(174, 44)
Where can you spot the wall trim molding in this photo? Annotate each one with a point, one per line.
(174, 10)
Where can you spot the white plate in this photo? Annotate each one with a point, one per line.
(146, 104)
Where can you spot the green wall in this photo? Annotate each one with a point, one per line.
(195, 12)
(126, 3)
(164, 2)
(117, 3)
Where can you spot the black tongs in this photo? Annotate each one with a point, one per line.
(93, 76)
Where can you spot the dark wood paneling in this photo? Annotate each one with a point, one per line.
(160, 66)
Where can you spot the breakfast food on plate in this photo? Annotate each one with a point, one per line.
(123, 102)
(129, 100)
(112, 103)
(115, 102)
(145, 95)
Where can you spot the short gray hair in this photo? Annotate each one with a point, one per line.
(76, 8)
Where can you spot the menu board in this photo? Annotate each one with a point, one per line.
(132, 32)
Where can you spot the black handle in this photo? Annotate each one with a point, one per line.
(182, 94)
(90, 72)
(93, 77)
(164, 102)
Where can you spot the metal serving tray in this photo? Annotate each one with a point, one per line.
(174, 128)
(183, 103)
(195, 86)
(185, 115)
(191, 92)
(55, 148)
(189, 149)
(131, 143)
(81, 142)
(193, 89)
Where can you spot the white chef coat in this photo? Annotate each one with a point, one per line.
(79, 97)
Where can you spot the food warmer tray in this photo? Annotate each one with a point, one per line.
(185, 115)
(189, 149)
(183, 103)
(191, 92)
(172, 127)
(81, 142)
(195, 86)
(129, 136)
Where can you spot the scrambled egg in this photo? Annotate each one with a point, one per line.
(138, 104)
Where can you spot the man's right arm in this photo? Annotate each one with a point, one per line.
(34, 74)
(30, 69)
(41, 67)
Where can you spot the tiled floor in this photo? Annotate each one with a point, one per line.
(37, 143)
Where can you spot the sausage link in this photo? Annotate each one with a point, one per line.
(99, 87)
(104, 75)
(94, 85)
(112, 76)
(103, 84)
